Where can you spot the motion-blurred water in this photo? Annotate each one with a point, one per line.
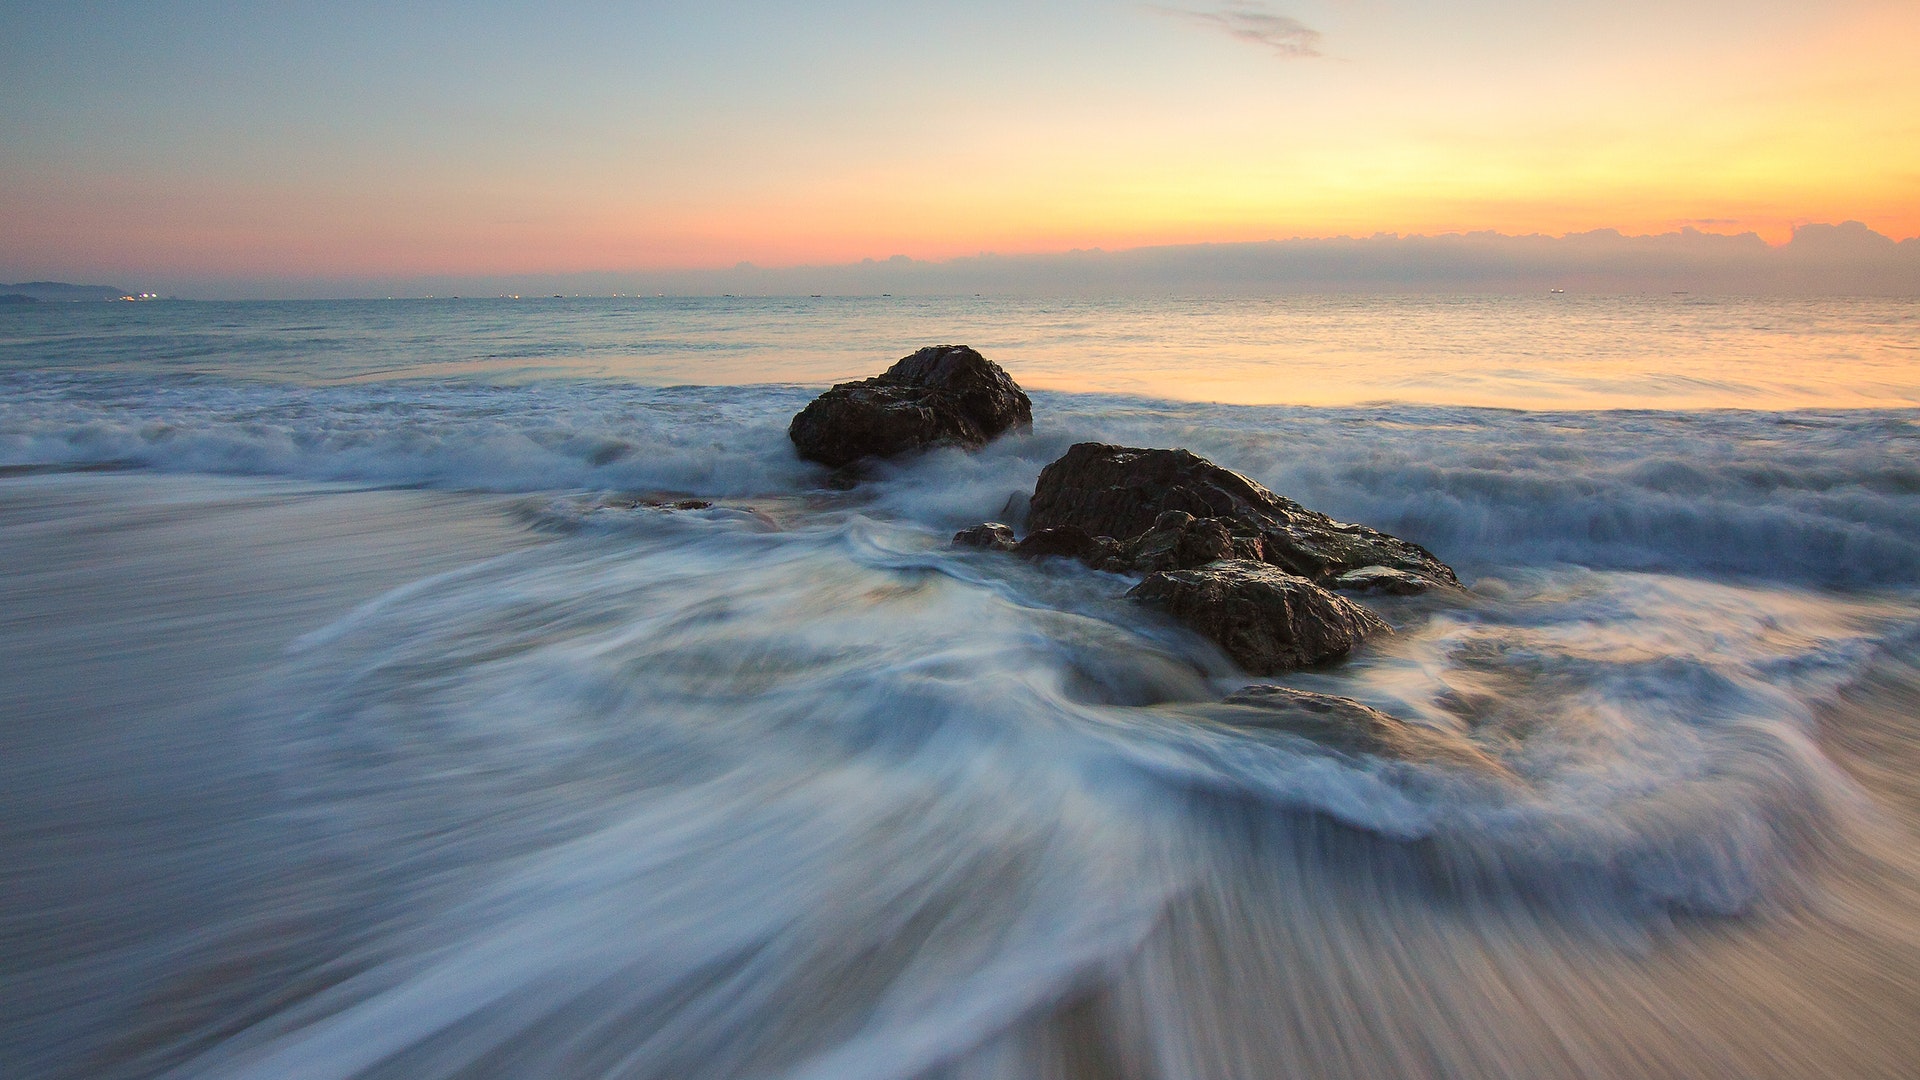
(347, 730)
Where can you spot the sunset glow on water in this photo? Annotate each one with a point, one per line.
(1546, 352)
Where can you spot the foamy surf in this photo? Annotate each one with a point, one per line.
(686, 796)
(388, 727)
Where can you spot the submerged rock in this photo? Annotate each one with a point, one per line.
(1267, 620)
(636, 502)
(1347, 726)
(988, 536)
(1381, 579)
(942, 395)
(1124, 491)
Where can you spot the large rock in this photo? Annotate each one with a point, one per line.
(1267, 620)
(1123, 491)
(1349, 727)
(943, 395)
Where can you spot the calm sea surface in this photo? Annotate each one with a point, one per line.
(355, 723)
(1666, 352)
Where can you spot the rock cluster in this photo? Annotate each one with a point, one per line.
(943, 395)
(1123, 491)
(1220, 554)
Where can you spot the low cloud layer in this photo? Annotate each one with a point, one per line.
(1822, 260)
(1256, 24)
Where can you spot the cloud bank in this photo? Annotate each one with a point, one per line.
(1257, 25)
(1821, 260)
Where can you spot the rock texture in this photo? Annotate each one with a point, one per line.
(1068, 541)
(1347, 726)
(941, 395)
(1178, 541)
(1267, 620)
(1381, 579)
(1123, 491)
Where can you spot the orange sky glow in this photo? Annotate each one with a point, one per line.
(1159, 131)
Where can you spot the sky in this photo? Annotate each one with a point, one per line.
(278, 142)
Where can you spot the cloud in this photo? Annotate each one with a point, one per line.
(1848, 259)
(1258, 25)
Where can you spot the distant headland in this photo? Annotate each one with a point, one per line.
(60, 292)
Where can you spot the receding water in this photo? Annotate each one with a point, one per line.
(346, 730)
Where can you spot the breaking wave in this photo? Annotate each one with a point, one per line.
(1828, 498)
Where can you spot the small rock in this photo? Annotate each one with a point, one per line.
(1347, 726)
(1382, 579)
(1123, 491)
(1267, 620)
(988, 535)
(941, 395)
(1069, 542)
(629, 502)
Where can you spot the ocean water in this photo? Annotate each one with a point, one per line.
(358, 723)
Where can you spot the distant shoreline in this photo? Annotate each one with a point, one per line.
(59, 292)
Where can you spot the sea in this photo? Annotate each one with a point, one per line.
(368, 709)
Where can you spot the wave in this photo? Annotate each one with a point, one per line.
(1827, 498)
(1645, 717)
(554, 437)
(686, 797)
(699, 793)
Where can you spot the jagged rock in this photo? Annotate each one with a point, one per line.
(1347, 726)
(988, 535)
(1067, 541)
(1267, 620)
(941, 395)
(1381, 579)
(1122, 491)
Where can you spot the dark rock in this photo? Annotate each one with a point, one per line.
(1347, 726)
(1382, 579)
(632, 502)
(1266, 619)
(941, 395)
(1066, 541)
(1123, 491)
(1176, 541)
(988, 535)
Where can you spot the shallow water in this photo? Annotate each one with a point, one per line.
(349, 732)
